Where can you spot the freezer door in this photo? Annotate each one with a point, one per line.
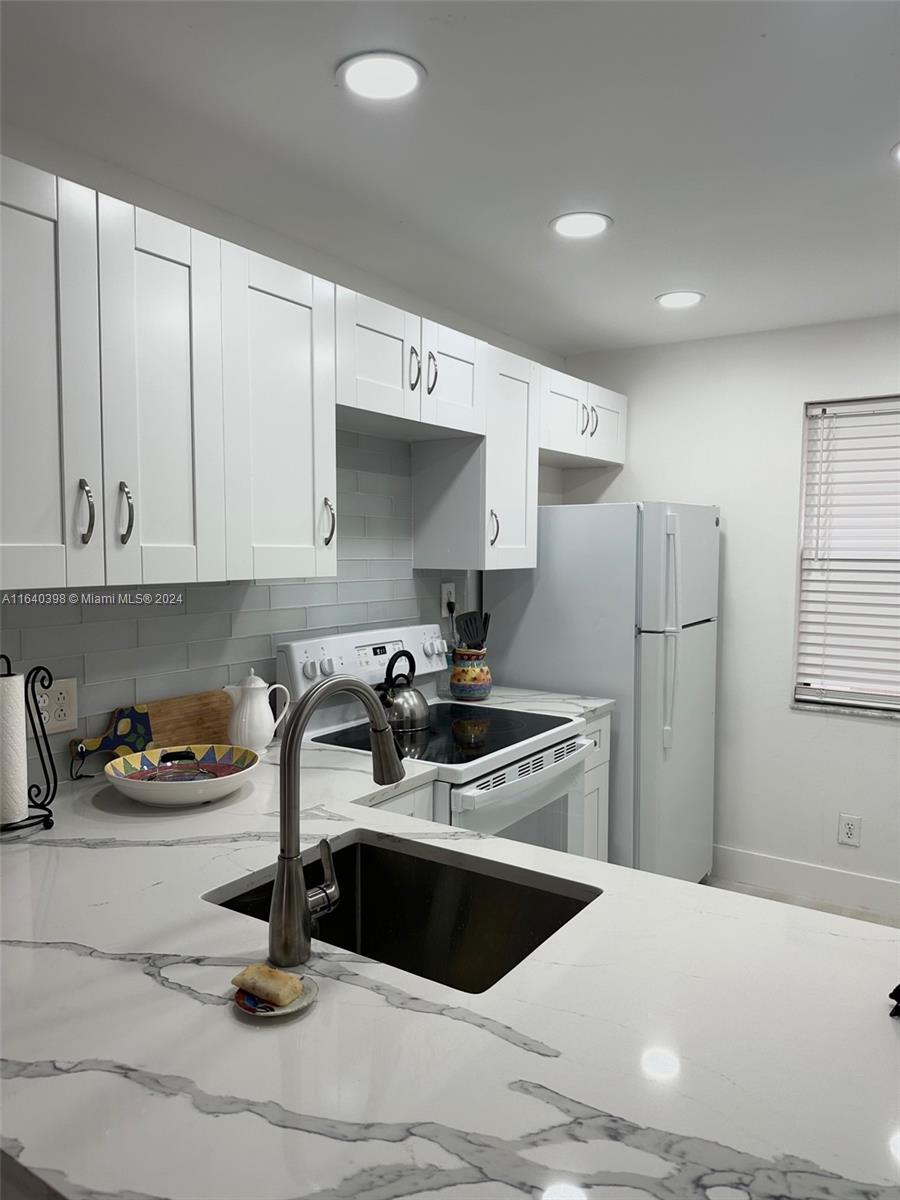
(679, 564)
(675, 752)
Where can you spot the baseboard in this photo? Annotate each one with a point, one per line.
(808, 880)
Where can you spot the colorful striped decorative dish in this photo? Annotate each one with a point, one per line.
(169, 777)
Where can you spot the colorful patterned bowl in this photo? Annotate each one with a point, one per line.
(222, 770)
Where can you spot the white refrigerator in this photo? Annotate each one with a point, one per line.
(624, 604)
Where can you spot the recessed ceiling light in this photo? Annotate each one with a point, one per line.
(581, 224)
(679, 299)
(895, 153)
(381, 75)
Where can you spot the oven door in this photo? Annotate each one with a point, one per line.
(539, 801)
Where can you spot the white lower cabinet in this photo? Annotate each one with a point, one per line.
(418, 803)
(475, 499)
(161, 371)
(596, 791)
(279, 419)
(51, 474)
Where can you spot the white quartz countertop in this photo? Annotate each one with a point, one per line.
(670, 1041)
(560, 703)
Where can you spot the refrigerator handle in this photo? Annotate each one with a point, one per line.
(672, 630)
(673, 533)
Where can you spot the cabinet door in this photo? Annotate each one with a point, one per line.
(379, 356)
(605, 437)
(511, 459)
(50, 413)
(565, 414)
(278, 344)
(161, 368)
(449, 395)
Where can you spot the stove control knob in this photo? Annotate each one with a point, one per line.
(429, 649)
(326, 666)
(310, 668)
(442, 646)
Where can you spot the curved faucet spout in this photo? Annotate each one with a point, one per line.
(290, 919)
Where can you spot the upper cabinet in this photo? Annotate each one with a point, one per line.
(280, 472)
(581, 422)
(51, 486)
(161, 370)
(450, 397)
(379, 356)
(474, 498)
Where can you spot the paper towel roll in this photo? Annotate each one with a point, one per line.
(13, 756)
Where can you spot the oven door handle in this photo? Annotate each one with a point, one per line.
(468, 798)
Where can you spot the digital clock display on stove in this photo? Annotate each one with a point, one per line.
(379, 649)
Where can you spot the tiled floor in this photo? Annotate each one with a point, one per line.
(859, 914)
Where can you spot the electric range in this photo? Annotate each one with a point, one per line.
(499, 771)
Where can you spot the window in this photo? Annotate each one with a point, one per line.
(848, 635)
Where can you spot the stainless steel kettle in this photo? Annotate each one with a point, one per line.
(406, 707)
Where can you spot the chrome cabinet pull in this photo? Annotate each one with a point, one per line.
(89, 496)
(125, 490)
(596, 415)
(414, 354)
(330, 508)
(432, 362)
(587, 418)
(497, 523)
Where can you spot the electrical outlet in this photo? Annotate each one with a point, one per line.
(448, 592)
(58, 705)
(849, 829)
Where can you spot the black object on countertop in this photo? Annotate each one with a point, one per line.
(895, 996)
(40, 796)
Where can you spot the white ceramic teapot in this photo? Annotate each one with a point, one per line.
(251, 723)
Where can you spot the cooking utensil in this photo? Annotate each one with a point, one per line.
(406, 707)
(486, 624)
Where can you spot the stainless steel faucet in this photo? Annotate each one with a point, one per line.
(290, 917)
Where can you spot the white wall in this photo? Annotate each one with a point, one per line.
(222, 222)
(720, 421)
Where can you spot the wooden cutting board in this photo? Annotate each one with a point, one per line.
(200, 718)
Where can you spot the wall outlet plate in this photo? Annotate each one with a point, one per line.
(849, 829)
(58, 705)
(448, 592)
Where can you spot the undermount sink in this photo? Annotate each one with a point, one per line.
(446, 916)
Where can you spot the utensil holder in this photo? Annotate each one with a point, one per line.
(470, 675)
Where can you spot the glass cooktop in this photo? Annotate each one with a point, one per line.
(459, 733)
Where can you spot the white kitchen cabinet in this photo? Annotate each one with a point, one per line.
(161, 372)
(596, 791)
(379, 356)
(475, 499)
(51, 486)
(418, 803)
(450, 395)
(581, 421)
(279, 405)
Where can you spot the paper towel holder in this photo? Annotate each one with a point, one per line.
(40, 796)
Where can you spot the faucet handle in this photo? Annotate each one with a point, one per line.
(323, 899)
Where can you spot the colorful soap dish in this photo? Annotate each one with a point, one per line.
(253, 1006)
(179, 776)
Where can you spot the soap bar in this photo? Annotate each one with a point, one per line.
(278, 987)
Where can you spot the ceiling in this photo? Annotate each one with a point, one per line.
(742, 148)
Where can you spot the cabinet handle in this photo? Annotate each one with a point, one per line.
(89, 496)
(432, 362)
(587, 418)
(414, 354)
(596, 415)
(330, 508)
(125, 490)
(497, 521)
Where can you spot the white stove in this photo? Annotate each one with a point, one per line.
(500, 771)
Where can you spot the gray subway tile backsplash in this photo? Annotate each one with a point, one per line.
(219, 630)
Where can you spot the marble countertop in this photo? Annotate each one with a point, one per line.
(670, 1041)
(563, 704)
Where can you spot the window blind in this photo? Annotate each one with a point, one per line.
(848, 636)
